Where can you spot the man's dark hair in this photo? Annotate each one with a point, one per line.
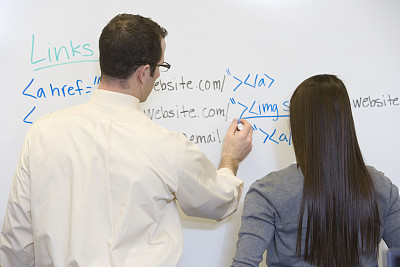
(127, 42)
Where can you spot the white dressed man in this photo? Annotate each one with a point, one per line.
(97, 184)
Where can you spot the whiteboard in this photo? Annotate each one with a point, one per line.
(238, 58)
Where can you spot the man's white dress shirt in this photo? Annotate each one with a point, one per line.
(96, 185)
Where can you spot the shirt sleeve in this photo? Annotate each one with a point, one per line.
(16, 240)
(257, 229)
(391, 226)
(204, 191)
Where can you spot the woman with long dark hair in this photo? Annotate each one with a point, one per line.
(329, 209)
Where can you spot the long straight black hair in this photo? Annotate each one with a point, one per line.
(339, 199)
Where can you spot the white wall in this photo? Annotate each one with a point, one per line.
(251, 51)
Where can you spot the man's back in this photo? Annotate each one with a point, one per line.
(97, 184)
(101, 183)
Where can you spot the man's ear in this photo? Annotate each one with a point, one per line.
(142, 73)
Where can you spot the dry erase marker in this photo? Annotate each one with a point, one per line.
(240, 125)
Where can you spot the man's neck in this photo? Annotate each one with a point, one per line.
(123, 87)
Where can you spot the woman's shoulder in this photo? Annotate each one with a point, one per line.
(381, 182)
(283, 175)
(387, 191)
(289, 180)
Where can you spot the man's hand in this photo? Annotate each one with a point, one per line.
(237, 145)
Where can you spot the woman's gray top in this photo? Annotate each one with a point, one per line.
(270, 218)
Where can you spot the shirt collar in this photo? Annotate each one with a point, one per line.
(106, 97)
